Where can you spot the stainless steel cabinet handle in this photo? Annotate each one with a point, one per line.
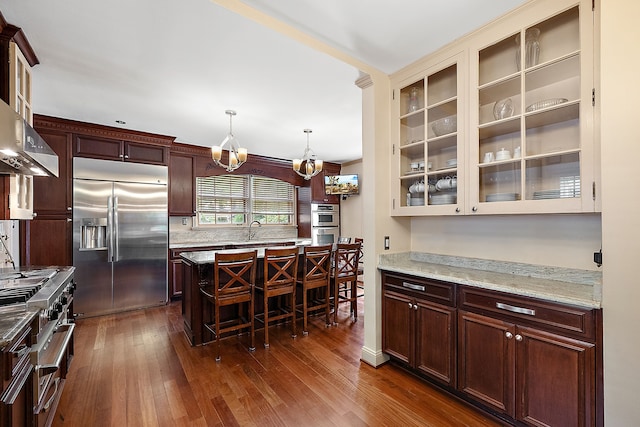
(518, 337)
(410, 306)
(69, 220)
(415, 306)
(474, 209)
(509, 335)
(457, 210)
(413, 286)
(515, 309)
(69, 208)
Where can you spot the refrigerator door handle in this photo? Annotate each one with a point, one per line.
(116, 239)
(110, 229)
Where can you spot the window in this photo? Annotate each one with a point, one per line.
(240, 199)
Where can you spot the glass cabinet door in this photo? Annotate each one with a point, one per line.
(430, 153)
(531, 145)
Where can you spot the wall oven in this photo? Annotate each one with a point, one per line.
(325, 215)
(325, 223)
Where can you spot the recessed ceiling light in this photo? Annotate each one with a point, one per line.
(121, 122)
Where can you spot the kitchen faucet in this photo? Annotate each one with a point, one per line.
(253, 222)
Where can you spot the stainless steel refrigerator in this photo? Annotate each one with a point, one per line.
(120, 235)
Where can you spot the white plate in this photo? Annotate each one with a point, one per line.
(502, 197)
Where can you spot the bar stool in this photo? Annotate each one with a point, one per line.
(344, 277)
(234, 276)
(360, 266)
(316, 275)
(280, 274)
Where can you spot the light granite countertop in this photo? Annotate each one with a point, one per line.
(569, 286)
(209, 257)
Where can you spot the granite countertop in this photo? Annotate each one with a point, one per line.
(208, 257)
(569, 286)
(13, 319)
(242, 243)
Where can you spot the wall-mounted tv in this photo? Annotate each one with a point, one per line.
(341, 184)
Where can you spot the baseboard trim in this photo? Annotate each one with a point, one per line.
(373, 357)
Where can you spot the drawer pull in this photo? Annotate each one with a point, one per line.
(414, 287)
(514, 309)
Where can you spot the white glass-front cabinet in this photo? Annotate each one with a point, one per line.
(20, 83)
(506, 126)
(428, 158)
(531, 148)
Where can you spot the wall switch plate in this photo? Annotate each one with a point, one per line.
(386, 243)
(597, 258)
(184, 221)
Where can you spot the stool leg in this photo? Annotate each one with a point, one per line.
(252, 329)
(217, 320)
(293, 312)
(266, 319)
(327, 309)
(305, 292)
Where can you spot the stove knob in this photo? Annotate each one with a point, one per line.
(53, 315)
(57, 307)
(64, 300)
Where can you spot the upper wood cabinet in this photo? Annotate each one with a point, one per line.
(182, 197)
(523, 141)
(20, 83)
(318, 194)
(53, 195)
(113, 149)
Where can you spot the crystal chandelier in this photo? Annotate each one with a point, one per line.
(308, 163)
(237, 155)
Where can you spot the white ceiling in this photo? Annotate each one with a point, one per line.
(174, 66)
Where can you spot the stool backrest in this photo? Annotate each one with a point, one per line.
(346, 259)
(317, 263)
(280, 266)
(234, 272)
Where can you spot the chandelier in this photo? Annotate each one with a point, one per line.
(308, 163)
(237, 155)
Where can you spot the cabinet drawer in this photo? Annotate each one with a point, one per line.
(419, 287)
(555, 317)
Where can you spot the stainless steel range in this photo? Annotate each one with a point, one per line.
(51, 291)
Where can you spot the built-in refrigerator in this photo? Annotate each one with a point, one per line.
(120, 235)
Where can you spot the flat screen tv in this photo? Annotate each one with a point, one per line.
(341, 184)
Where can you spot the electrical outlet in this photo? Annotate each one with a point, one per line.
(185, 221)
(386, 243)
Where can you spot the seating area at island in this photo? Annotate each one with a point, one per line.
(236, 291)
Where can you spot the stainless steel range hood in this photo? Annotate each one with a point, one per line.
(22, 150)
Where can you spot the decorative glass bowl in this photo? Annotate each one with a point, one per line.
(445, 125)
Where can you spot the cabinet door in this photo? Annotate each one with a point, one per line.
(429, 153)
(532, 114)
(52, 195)
(47, 242)
(98, 148)
(435, 341)
(181, 185)
(145, 153)
(555, 379)
(486, 361)
(176, 275)
(398, 326)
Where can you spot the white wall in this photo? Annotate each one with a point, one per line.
(620, 135)
(351, 208)
(557, 240)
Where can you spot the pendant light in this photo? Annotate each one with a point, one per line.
(309, 165)
(237, 155)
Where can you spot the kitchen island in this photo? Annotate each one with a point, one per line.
(198, 271)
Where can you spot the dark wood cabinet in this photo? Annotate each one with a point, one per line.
(417, 330)
(513, 360)
(119, 150)
(47, 241)
(318, 194)
(16, 372)
(53, 195)
(182, 198)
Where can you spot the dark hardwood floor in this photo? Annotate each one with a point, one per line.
(137, 369)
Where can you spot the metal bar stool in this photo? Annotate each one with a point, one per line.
(234, 277)
(316, 275)
(280, 275)
(344, 277)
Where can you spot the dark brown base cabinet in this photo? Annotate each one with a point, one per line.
(539, 365)
(418, 331)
